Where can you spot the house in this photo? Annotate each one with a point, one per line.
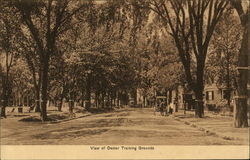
(215, 94)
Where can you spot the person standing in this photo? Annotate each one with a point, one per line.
(162, 108)
(171, 107)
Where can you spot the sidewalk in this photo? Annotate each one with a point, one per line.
(221, 126)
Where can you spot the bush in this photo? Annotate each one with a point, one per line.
(223, 106)
(211, 107)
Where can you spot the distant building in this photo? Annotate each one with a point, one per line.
(215, 94)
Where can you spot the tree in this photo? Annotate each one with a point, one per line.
(160, 67)
(58, 81)
(191, 24)
(1, 83)
(222, 61)
(22, 86)
(46, 21)
(9, 37)
(99, 56)
(240, 108)
(28, 52)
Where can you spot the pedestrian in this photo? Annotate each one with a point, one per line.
(166, 109)
(162, 108)
(171, 107)
(155, 109)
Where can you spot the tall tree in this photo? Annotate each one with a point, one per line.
(46, 21)
(222, 60)
(158, 60)
(9, 37)
(22, 86)
(29, 53)
(241, 108)
(191, 24)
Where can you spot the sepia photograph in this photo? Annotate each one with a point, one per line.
(130, 76)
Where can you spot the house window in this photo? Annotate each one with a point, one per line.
(210, 95)
(226, 94)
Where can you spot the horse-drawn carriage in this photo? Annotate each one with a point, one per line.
(161, 105)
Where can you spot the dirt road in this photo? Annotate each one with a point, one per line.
(128, 126)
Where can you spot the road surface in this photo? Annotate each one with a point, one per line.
(127, 126)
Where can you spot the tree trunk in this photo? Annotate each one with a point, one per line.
(37, 107)
(144, 102)
(135, 97)
(118, 99)
(170, 96)
(27, 101)
(96, 99)
(82, 99)
(71, 106)
(88, 93)
(228, 91)
(3, 112)
(241, 108)
(3, 107)
(240, 113)
(114, 99)
(177, 100)
(199, 106)
(102, 101)
(44, 88)
(5, 97)
(108, 103)
(60, 104)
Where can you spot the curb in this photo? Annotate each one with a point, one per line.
(207, 131)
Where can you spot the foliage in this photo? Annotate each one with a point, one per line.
(222, 61)
(74, 49)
